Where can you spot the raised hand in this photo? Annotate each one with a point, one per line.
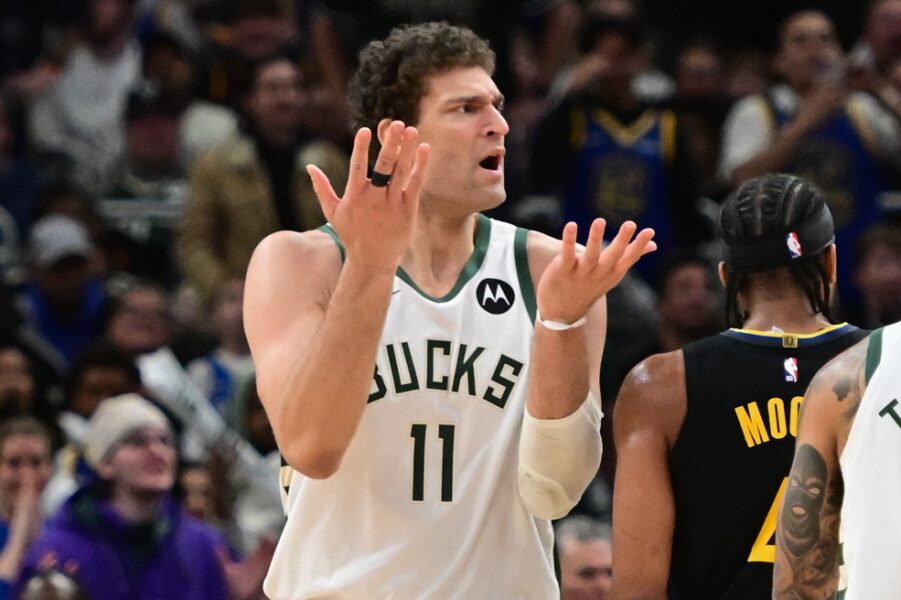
(375, 222)
(575, 279)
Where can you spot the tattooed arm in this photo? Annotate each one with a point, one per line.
(807, 535)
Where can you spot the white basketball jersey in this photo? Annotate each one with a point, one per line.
(870, 520)
(425, 503)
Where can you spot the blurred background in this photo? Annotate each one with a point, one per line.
(147, 146)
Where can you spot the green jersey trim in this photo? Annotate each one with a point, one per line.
(483, 235)
(874, 353)
(334, 235)
(521, 253)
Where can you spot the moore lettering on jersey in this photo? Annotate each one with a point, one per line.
(436, 370)
(781, 420)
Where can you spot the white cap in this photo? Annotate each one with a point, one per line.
(114, 419)
(55, 237)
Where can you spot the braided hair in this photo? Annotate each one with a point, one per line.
(768, 207)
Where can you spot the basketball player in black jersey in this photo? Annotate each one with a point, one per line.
(705, 435)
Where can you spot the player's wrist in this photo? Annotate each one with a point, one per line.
(560, 324)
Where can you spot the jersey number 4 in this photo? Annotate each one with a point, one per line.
(764, 548)
(446, 435)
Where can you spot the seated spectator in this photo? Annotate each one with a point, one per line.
(811, 125)
(878, 276)
(102, 371)
(24, 470)
(605, 154)
(688, 301)
(123, 535)
(586, 558)
(254, 184)
(701, 106)
(197, 492)
(18, 184)
(63, 303)
(80, 116)
(222, 373)
(148, 201)
(202, 125)
(22, 393)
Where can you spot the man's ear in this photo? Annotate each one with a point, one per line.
(721, 271)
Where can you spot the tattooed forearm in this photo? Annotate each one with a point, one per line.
(808, 529)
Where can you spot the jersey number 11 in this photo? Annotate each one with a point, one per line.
(446, 434)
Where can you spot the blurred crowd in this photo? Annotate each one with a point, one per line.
(147, 146)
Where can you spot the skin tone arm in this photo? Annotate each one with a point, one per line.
(650, 410)
(308, 318)
(807, 532)
(565, 364)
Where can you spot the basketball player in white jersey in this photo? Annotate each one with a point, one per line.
(839, 528)
(432, 420)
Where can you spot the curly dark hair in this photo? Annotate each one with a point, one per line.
(759, 208)
(393, 74)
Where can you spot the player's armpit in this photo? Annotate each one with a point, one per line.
(807, 532)
(649, 413)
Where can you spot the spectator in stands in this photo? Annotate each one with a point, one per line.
(22, 393)
(139, 320)
(142, 209)
(811, 125)
(100, 372)
(688, 301)
(18, 185)
(222, 373)
(254, 184)
(586, 558)
(123, 532)
(878, 276)
(701, 106)
(604, 154)
(170, 69)
(80, 117)
(877, 54)
(64, 302)
(24, 470)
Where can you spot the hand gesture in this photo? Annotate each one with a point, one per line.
(26, 521)
(374, 219)
(574, 280)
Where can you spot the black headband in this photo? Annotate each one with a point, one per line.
(782, 249)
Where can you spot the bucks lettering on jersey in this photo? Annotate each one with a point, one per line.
(426, 501)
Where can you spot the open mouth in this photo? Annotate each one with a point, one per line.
(492, 162)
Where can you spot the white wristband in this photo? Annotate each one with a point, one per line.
(557, 325)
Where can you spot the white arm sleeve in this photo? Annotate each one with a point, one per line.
(558, 458)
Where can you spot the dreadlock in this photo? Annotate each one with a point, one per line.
(767, 206)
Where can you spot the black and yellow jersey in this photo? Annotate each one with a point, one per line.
(732, 457)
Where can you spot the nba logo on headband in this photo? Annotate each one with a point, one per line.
(794, 245)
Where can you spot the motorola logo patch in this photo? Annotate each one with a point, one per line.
(495, 296)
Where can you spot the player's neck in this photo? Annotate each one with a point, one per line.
(786, 314)
(441, 246)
